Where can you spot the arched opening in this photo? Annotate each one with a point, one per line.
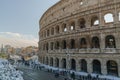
(94, 21)
(110, 42)
(57, 29)
(119, 16)
(57, 62)
(73, 64)
(47, 46)
(64, 44)
(72, 26)
(64, 28)
(63, 63)
(83, 65)
(108, 18)
(83, 43)
(47, 32)
(112, 68)
(52, 31)
(43, 60)
(72, 43)
(51, 61)
(82, 23)
(52, 45)
(57, 45)
(46, 60)
(95, 42)
(96, 66)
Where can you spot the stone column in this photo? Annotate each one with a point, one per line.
(119, 68)
(116, 15)
(101, 19)
(88, 40)
(102, 41)
(60, 64)
(77, 65)
(89, 66)
(68, 65)
(88, 22)
(77, 24)
(104, 67)
(117, 40)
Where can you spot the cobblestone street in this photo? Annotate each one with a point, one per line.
(30, 74)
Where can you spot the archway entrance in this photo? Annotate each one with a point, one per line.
(83, 65)
(96, 66)
(64, 63)
(112, 68)
(73, 64)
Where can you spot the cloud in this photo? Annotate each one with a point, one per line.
(17, 39)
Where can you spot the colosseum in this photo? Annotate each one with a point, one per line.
(82, 35)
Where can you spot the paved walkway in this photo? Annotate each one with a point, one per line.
(31, 74)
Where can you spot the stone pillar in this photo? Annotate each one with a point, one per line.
(116, 15)
(102, 41)
(60, 64)
(88, 22)
(119, 68)
(89, 66)
(77, 43)
(88, 40)
(77, 65)
(67, 26)
(117, 40)
(77, 24)
(101, 19)
(68, 65)
(104, 67)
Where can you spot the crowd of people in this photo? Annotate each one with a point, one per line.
(66, 74)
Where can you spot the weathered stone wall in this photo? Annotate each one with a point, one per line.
(74, 20)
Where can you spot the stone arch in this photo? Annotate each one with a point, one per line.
(56, 62)
(119, 15)
(83, 43)
(57, 29)
(83, 65)
(52, 45)
(63, 63)
(82, 23)
(95, 42)
(72, 25)
(110, 41)
(72, 43)
(108, 18)
(73, 64)
(48, 32)
(47, 61)
(64, 27)
(51, 61)
(52, 31)
(57, 45)
(112, 67)
(47, 46)
(94, 20)
(96, 66)
(64, 44)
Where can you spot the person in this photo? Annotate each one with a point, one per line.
(73, 75)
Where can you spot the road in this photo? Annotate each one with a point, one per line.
(32, 74)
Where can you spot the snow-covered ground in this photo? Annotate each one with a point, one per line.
(83, 73)
(8, 72)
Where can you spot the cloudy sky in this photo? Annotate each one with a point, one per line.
(19, 19)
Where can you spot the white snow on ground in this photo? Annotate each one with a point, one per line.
(8, 72)
(82, 73)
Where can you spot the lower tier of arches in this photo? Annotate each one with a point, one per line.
(106, 64)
